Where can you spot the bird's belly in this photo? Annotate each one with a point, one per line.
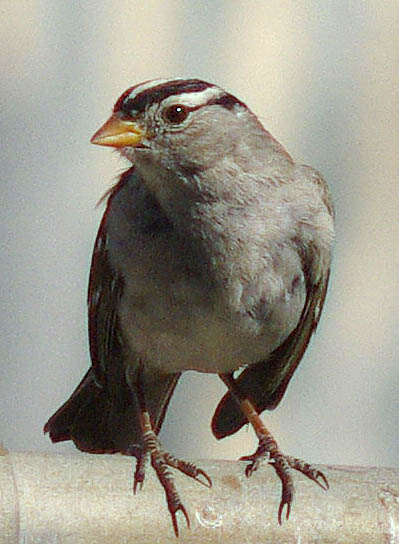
(176, 329)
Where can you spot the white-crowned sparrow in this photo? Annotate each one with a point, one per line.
(213, 254)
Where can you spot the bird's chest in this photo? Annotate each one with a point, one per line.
(187, 302)
(171, 311)
(169, 306)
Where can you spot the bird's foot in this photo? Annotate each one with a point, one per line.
(268, 451)
(161, 461)
(308, 470)
(188, 468)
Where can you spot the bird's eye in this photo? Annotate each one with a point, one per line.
(176, 114)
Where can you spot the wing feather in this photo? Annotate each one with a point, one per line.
(265, 382)
(102, 414)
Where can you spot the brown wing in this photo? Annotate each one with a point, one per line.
(104, 294)
(264, 383)
(102, 413)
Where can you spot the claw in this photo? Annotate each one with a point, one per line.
(324, 484)
(139, 473)
(161, 461)
(174, 519)
(138, 479)
(310, 472)
(269, 451)
(137, 483)
(250, 469)
(188, 468)
(247, 458)
(208, 481)
(254, 462)
(287, 493)
(284, 503)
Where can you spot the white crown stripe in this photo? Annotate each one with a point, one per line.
(194, 99)
(190, 98)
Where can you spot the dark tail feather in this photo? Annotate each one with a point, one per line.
(95, 421)
(60, 425)
(106, 419)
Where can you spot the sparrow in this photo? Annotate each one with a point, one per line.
(213, 255)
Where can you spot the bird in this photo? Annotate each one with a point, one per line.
(213, 255)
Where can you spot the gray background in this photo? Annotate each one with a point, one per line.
(324, 79)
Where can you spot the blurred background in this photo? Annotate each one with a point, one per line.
(324, 78)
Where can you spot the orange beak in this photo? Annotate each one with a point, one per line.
(117, 132)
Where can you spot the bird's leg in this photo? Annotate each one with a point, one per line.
(161, 460)
(269, 451)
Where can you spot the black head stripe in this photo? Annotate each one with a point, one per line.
(226, 100)
(122, 99)
(157, 93)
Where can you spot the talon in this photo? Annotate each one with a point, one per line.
(174, 518)
(251, 468)
(174, 523)
(139, 473)
(269, 451)
(284, 503)
(138, 479)
(161, 461)
(254, 462)
(287, 495)
(185, 515)
(208, 482)
(324, 484)
(246, 458)
(135, 484)
(316, 476)
(310, 472)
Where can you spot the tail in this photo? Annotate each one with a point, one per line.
(96, 421)
(104, 420)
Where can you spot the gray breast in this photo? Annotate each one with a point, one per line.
(176, 312)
